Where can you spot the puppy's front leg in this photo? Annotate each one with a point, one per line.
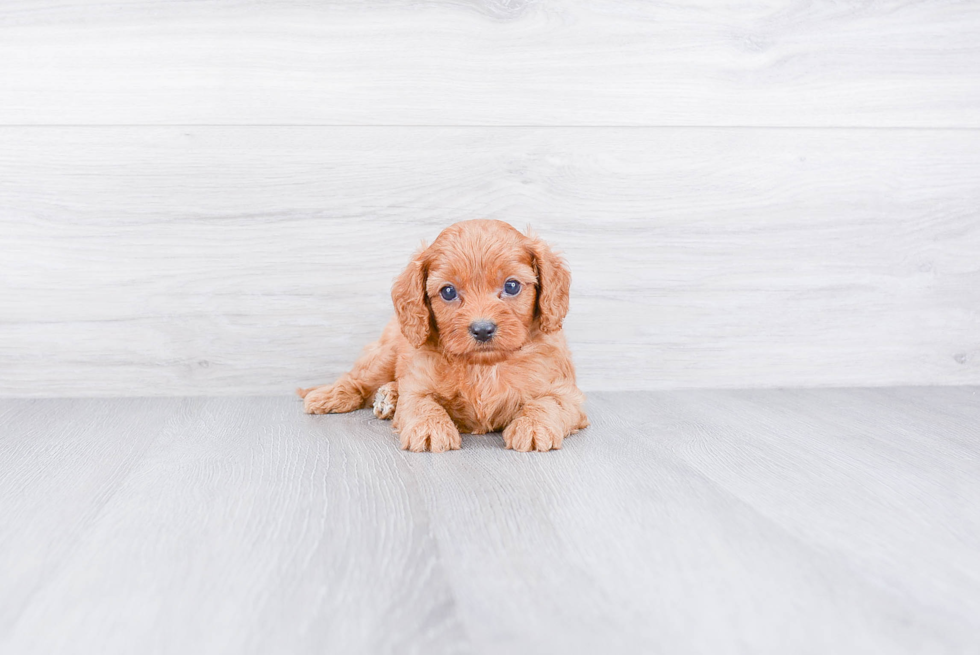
(543, 423)
(423, 424)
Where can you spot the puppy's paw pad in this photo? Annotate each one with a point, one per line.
(385, 400)
(525, 435)
(435, 436)
(331, 399)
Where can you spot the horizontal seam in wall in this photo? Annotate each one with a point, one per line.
(909, 128)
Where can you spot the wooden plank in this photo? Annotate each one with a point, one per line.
(251, 528)
(684, 522)
(488, 62)
(822, 463)
(59, 471)
(154, 261)
(702, 521)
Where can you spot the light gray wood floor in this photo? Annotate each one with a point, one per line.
(780, 521)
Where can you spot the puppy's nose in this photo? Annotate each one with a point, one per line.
(483, 331)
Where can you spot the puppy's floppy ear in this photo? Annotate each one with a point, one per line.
(411, 304)
(554, 280)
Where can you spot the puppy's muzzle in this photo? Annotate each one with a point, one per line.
(483, 331)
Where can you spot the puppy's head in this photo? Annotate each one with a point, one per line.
(481, 291)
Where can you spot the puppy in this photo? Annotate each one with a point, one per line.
(475, 346)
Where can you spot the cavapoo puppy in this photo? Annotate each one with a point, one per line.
(475, 346)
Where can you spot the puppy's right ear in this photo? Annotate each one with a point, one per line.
(411, 304)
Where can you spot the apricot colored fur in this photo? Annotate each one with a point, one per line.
(439, 379)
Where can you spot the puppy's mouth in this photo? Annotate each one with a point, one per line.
(493, 346)
(479, 348)
(486, 356)
(485, 352)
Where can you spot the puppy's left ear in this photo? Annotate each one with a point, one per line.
(554, 280)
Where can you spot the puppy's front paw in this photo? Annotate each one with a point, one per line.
(332, 399)
(435, 435)
(525, 434)
(385, 400)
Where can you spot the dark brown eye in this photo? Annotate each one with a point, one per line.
(512, 288)
(448, 293)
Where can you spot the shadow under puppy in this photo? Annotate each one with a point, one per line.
(475, 346)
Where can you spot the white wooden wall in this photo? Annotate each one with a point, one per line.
(213, 197)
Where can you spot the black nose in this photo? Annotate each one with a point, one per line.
(483, 330)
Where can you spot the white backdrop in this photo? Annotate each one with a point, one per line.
(213, 198)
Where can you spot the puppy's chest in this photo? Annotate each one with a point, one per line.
(486, 399)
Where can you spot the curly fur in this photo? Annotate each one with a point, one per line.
(434, 380)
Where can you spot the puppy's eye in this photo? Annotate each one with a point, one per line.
(448, 293)
(512, 288)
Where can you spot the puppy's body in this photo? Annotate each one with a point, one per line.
(464, 352)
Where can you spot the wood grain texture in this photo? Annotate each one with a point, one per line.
(491, 62)
(694, 513)
(59, 471)
(809, 521)
(243, 528)
(155, 261)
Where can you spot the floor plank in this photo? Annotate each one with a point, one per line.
(831, 520)
(254, 529)
(62, 462)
